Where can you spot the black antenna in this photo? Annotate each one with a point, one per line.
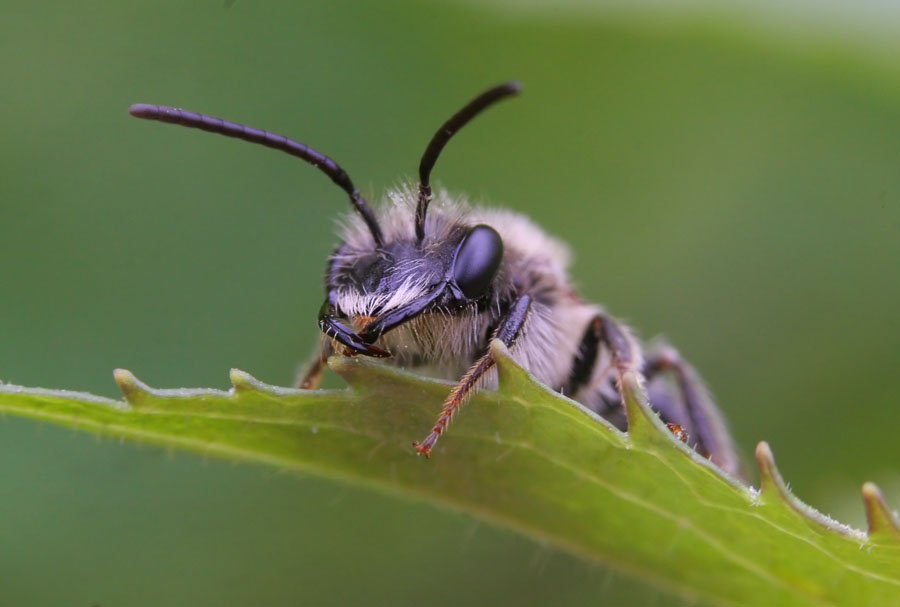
(443, 135)
(270, 140)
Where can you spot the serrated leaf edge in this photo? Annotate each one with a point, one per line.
(884, 525)
(646, 430)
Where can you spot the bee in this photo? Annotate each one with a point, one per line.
(429, 280)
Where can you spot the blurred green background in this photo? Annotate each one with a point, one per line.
(725, 182)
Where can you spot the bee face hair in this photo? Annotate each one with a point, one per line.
(366, 282)
(429, 280)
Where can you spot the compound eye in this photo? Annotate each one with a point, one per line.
(477, 260)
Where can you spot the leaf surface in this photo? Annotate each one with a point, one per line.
(529, 459)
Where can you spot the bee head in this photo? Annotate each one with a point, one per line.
(378, 290)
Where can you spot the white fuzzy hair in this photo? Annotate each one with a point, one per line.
(526, 246)
(446, 213)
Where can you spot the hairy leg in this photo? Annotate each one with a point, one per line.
(675, 389)
(309, 378)
(598, 388)
(507, 332)
(685, 401)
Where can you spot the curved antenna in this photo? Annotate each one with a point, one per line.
(270, 140)
(443, 135)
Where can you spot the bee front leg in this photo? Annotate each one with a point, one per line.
(311, 374)
(508, 331)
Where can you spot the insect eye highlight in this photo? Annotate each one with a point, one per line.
(477, 260)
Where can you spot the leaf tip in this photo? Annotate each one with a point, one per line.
(764, 454)
(499, 349)
(241, 380)
(771, 482)
(501, 356)
(643, 423)
(509, 372)
(882, 521)
(132, 388)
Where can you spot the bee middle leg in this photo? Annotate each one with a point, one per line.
(600, 389)
(674, 388)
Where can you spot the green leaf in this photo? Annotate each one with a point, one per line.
(529, 459)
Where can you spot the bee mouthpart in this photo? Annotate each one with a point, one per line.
(338, 332)
(359, 323)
